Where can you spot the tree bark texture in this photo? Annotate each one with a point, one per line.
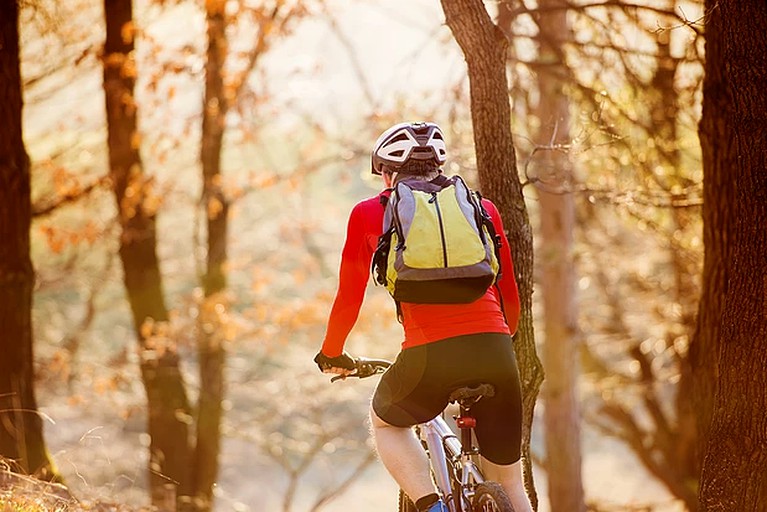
(733, 316)
(719, 159)
(166, 396)
(211, 348)
(21, 429)
(561, 413)
(484, 46)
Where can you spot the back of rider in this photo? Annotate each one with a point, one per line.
(423, 323)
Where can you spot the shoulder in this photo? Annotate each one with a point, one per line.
(368, 213)
(371, 205)
(490, 207)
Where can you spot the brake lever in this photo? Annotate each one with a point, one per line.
(364, 368)
(344, 377)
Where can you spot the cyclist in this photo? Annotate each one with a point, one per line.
(445, 345)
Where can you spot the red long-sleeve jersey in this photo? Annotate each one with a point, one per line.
(423, 323)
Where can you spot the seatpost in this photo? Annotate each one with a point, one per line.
(466, 423)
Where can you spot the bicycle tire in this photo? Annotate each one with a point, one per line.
(405, 504)
(490, 497)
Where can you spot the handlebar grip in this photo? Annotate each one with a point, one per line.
(364, 368)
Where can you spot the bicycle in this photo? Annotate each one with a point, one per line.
(453, 461)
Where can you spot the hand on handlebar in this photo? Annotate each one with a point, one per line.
(365, 368)
(341, 365)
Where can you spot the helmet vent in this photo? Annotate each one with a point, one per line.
(421, 141)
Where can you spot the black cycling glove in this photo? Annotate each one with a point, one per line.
(343, 361)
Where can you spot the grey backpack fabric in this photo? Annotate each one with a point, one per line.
(438, 244)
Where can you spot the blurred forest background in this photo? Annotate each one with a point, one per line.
(253, 126)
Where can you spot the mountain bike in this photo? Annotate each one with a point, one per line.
(454, 461)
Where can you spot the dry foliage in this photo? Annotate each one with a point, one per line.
(20, 493)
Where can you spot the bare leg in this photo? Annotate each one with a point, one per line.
(404, 458)
(510, 477)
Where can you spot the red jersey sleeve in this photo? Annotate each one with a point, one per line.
(507, 284)
(362, 232)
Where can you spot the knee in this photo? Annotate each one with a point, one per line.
(508, 475)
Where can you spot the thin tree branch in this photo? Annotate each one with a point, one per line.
(344, 485)
(41, 210)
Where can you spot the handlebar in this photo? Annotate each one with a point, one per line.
(364, 368)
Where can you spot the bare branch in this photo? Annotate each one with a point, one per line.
(77, 193)
(344, 485)
(353, 57)
(695, 25)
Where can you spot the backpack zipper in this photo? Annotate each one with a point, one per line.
(441, 226)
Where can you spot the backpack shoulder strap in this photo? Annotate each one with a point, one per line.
(442, 180)
(494, 236)
(383, 197)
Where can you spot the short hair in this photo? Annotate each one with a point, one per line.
(417, 167)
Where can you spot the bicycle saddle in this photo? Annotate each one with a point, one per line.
(473, 393)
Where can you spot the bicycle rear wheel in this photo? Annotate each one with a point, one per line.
(405, 505)
(490, 497)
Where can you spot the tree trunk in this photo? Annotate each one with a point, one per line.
(732, 322)
(484, 47)
(167, 401)
(213, 123)
(21, 429)
(719, 158)
(210, 341)
(561, 413)
(678, 446)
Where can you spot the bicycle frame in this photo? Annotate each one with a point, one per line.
(450, 457)
(444, 445)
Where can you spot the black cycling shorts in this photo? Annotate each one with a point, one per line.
(415, 389)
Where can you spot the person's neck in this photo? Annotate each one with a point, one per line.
(420, 177)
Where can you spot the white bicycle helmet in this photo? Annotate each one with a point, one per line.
(408, 141)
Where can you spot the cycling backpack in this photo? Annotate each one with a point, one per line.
(438, 244)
